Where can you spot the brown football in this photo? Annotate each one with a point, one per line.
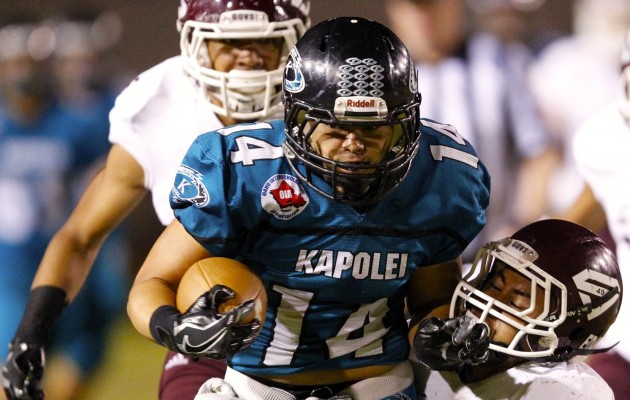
(206, 273)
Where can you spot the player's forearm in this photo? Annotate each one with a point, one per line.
(145, 297)
(67, 263)
(430, 290)
(157, 280)
(44, 305)
(72, 250)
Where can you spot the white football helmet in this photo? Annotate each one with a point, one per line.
(244, 95)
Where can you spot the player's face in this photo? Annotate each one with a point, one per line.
(245, 54)
(514, 290)
(353, 144)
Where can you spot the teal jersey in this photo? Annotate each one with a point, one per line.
(335, 276)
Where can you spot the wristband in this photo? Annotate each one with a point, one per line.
(162, 323)
(45, 303)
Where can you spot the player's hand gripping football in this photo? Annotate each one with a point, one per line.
(202, 330)
(23, 371)
(447, 345)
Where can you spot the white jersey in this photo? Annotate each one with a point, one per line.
(601, 154)
(529, 381)
(565, 105)
(155, 119)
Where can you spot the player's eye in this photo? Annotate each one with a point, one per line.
(520, 302)
(498, 283)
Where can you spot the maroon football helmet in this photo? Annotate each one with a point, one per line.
(244, 95)
(580, 282)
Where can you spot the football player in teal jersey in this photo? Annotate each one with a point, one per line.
(353, 211)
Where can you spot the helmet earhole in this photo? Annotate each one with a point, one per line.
(576, 333)
(323, 45)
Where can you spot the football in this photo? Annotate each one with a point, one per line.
(206, 273)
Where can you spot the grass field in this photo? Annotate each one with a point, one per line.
(131, 369)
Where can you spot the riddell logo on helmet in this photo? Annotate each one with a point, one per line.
(360, 106)
(360, 103)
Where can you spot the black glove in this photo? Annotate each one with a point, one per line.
(202, 330)
(447, 345)
(24, 367)
(23, 371)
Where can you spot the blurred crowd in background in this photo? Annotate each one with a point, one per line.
(515, 77)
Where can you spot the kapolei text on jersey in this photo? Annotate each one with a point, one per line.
(363, 265)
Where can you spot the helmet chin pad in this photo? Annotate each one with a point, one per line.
(246, 103)
(244, 82)
(243, 94)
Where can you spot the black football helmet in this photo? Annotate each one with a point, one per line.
(245, 95)
(580, 281)
(350, 71)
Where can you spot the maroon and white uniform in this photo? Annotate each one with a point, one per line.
(530, 381)
(155, 119)
(601, 154)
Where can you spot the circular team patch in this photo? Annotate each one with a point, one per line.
(283, 196)
(189, 187)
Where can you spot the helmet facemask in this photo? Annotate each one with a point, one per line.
(356, 184)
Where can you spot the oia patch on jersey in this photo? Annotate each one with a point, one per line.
(283, 196)
(189, 187)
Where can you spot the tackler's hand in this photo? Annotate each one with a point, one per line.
(23, 370)
(447, 345)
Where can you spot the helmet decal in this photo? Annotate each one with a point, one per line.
(592, 285)
(413, 80)
(360, 89)
(360, 77)
(293, 77)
